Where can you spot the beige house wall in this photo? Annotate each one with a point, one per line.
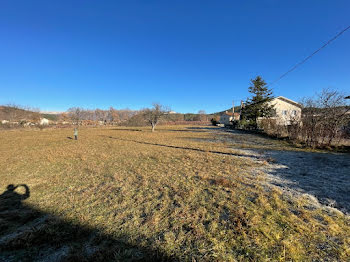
(225, 119)
(285, 111)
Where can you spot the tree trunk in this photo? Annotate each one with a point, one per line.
(153, 127)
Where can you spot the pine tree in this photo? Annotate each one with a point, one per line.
(258, 105)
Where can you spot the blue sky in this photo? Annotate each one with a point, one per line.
(188, 55)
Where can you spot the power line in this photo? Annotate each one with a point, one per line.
(307, 58)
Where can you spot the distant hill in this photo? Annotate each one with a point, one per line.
(237, 110)
(16, 113)
(52, 117)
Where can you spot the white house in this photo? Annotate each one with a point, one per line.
(44, 121)
(228, 117)
(286, 110)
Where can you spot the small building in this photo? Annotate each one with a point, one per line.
(44, 121)
(286, 110)
(228, 117)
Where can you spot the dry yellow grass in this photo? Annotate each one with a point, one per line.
(164, 195)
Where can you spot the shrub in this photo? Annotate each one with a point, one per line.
(136, 120)
(272, 128)
(324, 118)
(245, 124)
(214, 122)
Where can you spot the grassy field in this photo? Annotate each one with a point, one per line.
(130, 194)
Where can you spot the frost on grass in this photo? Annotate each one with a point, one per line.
(323, 177)
(180, 193)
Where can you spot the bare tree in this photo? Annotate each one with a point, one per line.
(101, 115)
(324, 118)
(125, 114)
(64, 117)
(12, 112)
(113, 115)
(35, 114)
(202, 115)
(154, 114)
(76, 114)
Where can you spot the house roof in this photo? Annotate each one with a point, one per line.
(231, 114)
(288, 101)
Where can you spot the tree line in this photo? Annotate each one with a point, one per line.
(78, 114)
(151, 116)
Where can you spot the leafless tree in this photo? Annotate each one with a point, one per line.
(35, 115)
(113, 115)
(12, 112)
(202, 115)
(324, 118)
(125, 114)
(154, 114)
(76, 114)
(101, 115)
(64, 117)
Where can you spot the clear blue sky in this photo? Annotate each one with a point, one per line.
(189, 55)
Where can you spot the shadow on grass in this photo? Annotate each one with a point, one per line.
(203, 128)
(179, 130)
(185, 148)
(188, 129)
(28, 234)
(127, 129)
